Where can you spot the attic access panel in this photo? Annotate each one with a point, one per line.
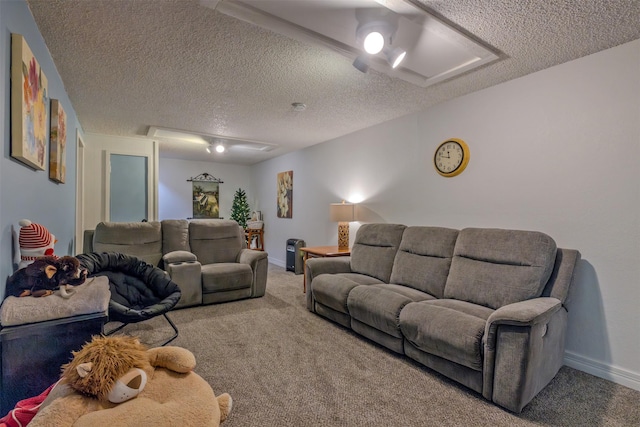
(435, 50)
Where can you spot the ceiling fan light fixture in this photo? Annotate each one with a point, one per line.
(209, 149)
(220, 148)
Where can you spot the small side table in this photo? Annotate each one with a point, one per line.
(320, 252)
(31, 354)
(37, 336)
(258, 234)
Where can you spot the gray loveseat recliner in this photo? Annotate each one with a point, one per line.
(207, 258)
(485, 307)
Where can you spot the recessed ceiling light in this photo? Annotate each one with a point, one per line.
(220, 148)
(298, 106)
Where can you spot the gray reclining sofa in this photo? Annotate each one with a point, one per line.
(484, 307)
(207, 258)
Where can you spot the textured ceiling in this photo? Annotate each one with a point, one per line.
(131, 64)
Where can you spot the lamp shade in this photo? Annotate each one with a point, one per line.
(342, 212)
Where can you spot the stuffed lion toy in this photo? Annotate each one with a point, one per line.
(116, 381)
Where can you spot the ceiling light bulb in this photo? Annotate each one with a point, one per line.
(220, 148)
(373, 42)
(398, 59)
(395, 56)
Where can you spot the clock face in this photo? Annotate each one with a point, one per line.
(451, 158)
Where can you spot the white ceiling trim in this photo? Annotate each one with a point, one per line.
(471, 53)
(177, 135)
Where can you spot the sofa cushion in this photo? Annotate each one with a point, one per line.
(424, 258)
(374, 249)
(412, 294)
(224, 276)
(379, 306)
(215, 240)
(332, 290)
(479, 311)
(142, 240)
(495, 267)
(444, 331)
(91, 297)
(175, 235)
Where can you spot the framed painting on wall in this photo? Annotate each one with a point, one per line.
(285, 194)
(206, 198)
(29, 102)
(57, 143)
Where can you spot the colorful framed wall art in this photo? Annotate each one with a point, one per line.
(29, 102)
(285, 194)
(58, 143)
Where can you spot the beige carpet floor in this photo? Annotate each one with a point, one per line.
(285, 366)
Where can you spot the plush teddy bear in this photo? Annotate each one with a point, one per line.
(46, 274)
(116, 381)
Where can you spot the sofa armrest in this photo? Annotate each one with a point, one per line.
(177, 257)
(523, 350)
(185, 270)
(317, 266)
(259, 262)
(87, 241)
(328, 265)
(250, 256)
(523, 313)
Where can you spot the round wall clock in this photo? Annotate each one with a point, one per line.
(451, 157)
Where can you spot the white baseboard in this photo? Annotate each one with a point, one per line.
(612, 373)
(277, 262)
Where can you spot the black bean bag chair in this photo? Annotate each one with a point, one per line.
(139, 291)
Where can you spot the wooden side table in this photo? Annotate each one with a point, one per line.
(259, 234)
(320, 252)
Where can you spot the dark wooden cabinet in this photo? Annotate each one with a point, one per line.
(32, 354)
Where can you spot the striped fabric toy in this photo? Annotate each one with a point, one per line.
(35, 241)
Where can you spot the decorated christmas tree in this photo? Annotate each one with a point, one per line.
(240, 208)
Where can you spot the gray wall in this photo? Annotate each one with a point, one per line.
(556, 151)
(25, 193)
(175, 191)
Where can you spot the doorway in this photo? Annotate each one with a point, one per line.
(128, 183)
